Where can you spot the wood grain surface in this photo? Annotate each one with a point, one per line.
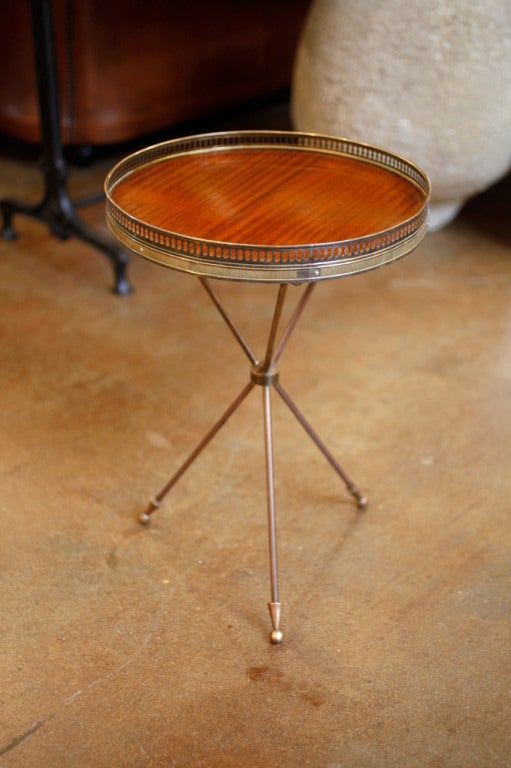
(267, 196)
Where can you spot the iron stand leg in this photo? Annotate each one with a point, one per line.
(56, 209)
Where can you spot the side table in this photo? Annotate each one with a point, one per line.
(273, 207)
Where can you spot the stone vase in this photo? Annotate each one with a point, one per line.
(428, 80)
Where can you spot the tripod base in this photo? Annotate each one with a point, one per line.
(266, 375)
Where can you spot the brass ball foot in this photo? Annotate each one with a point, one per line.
(362, 501)
(144, 518)
(276, 637)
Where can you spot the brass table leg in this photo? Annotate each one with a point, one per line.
(155, 501)
(266, 375)
(274, 605)
(352, 488)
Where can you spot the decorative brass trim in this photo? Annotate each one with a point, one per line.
(266, 263)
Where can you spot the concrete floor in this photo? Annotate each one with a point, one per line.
(129, 646)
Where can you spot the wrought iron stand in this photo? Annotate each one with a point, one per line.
(56, 209)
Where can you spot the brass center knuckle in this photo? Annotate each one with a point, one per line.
(258, 375)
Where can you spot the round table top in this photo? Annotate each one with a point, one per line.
(267, 206)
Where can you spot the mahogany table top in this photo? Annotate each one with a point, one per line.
(267, 206)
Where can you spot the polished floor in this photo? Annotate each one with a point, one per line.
(128, 646)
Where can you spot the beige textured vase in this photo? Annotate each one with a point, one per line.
(427, 80)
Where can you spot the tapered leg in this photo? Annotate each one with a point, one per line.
(228, 320)
(293, 321)
(274, 605)
(350, 485)
(155, 501)
(266, 375)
